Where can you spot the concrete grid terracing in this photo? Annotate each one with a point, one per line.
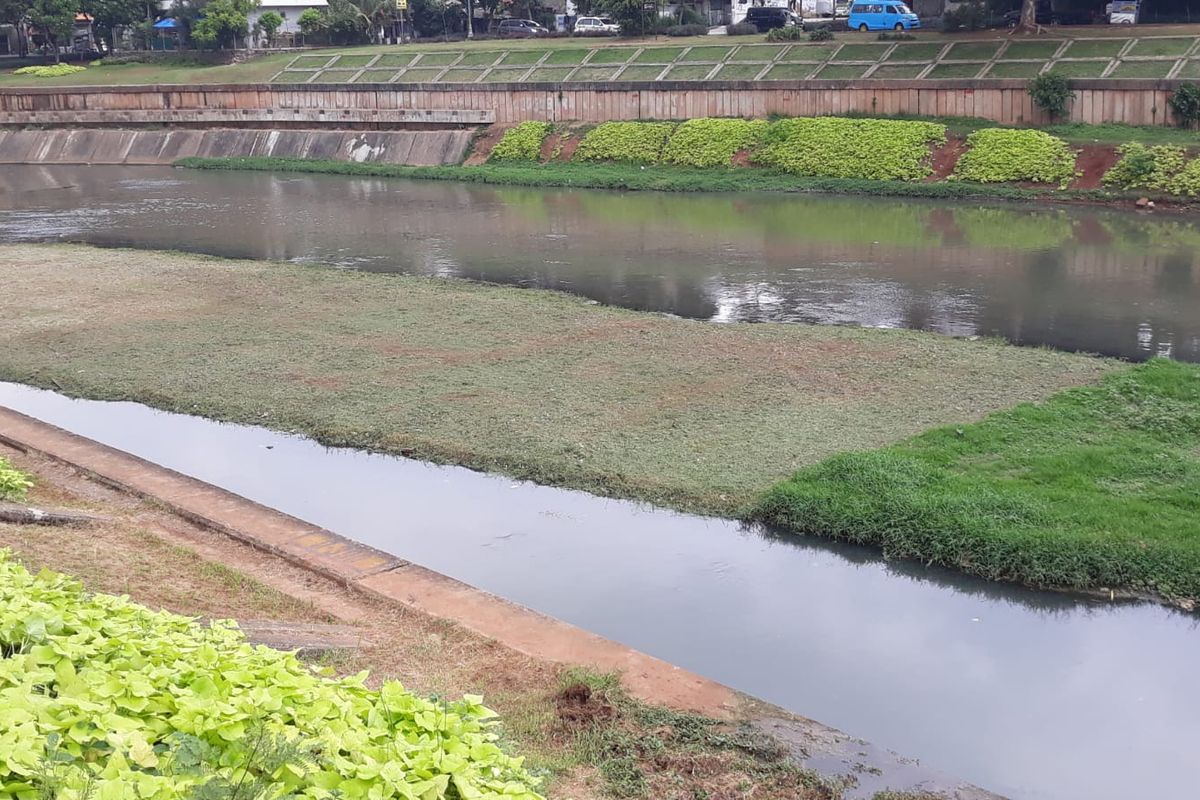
(1148, 57)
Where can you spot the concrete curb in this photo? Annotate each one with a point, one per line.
(819, 747)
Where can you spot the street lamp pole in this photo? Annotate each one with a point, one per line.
(470, 21)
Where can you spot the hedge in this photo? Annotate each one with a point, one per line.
(712, 142)
(832, 147)
(522, 143)
(1001, 155)
(634, 142)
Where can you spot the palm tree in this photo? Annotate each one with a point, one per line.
(374, 14)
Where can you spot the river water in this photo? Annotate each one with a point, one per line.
(1115, 282)
(1031, 694)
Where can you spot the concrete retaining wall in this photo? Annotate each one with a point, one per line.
(115, 146)
(1097, 101)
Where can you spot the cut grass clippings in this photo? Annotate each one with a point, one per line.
(1097, 488)
(532, 384)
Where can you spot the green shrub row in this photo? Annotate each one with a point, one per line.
(712, 142)
(632, 142)
(823, 147)
(101, 697)
(522, 143)
(834, 147)
(1003, 155)
(1164, 168)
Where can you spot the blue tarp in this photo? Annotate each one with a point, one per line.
(166, 23)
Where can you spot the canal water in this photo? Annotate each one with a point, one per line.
(1035, 695)
(1116, 282)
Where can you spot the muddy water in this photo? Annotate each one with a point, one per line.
(1031, 694)
(1098, 280)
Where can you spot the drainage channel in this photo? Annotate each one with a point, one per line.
(1031, 694)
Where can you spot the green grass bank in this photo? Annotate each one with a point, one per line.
(1096, 488)
(661, 178)
(528, 383)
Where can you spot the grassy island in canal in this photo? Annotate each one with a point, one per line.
(1087, 488)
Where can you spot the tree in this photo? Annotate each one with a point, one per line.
(54, 19)
(223, 23)
(269, 22)
(1028, 21)
(374, 14)
(311, 21)
(108, 15)
(343, 23)
(12, 12)
(437, 17)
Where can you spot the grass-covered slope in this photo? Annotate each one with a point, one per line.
(1096, 488)
(103, 698)
(529, 383)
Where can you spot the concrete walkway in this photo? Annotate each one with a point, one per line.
(650, 679)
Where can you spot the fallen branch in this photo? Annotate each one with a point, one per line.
(25, 515)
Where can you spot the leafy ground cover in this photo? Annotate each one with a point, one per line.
(712, 142)
(998, 155)
(521, 142)
(648, 749)
(1096, 488)
(633, 142)
(102, 695)
(13, 483)
(836, 147)
(1163, 168)
(533, 384)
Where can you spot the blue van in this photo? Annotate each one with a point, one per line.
(883, 16)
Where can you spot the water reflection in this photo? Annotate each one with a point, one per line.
(1097, 280)
(1031, 694)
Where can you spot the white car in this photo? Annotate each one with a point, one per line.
(596, 26)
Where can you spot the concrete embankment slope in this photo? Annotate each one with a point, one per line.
(824, 749)
(116, 146)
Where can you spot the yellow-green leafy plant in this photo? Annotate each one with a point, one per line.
(833, 147)
(712, 142)
(50, 70)
(1000, 155)
(633, 142)
(1164, 168)
(521, 143)
(126, 702)
(13, 483)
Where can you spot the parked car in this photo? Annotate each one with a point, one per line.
(766, 18)
(596, 26)
(520, 29)
(881, 17)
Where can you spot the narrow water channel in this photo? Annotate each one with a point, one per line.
(1036, 695)
(1116, 282)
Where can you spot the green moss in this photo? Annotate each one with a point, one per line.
(896, 71)
(1142, 69)
(1095, 488)
(1014, 69)
(842, 71)
(611, 55)
(955, 70)
(688, 72)
(973, 51)
(566, 56)
(1094, 48)
(706, 54)
(860, 52)
(922, 51)
(758, 52)
(1032, 49)
(658, 55)
(1161, 47)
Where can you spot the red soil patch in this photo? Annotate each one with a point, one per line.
(1094, 160)
(945, 158)
(561, 146)
(484, 144)
(742, 159)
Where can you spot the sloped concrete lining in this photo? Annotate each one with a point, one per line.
(821, 748)
(124, 146)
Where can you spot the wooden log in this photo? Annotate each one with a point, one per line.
(27, 515)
